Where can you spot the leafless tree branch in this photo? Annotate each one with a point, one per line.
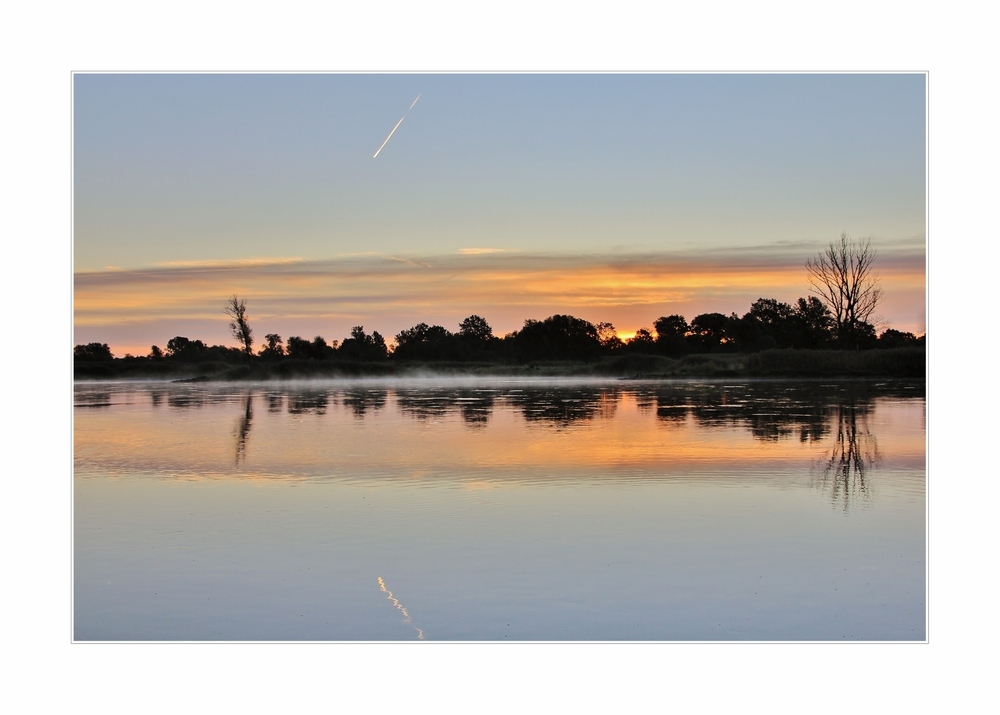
(843, 277)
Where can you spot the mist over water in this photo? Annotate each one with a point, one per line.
(499, 509)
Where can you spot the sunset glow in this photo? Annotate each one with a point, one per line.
(389, 295)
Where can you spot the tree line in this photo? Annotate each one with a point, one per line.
(838, 315)
(767, 325)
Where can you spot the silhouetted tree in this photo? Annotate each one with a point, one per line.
(770, 313)
(843, 278)
(671, 331)
(236, 309)
(273, 347)
(558, 337)
(378, 345)
(93, 352)
(475, 328)
(710, 332)
(181, 348)
(896, 339)
(299, 348)
(361, 346)
(316, 349)
(321, 350)
(422, 333)
(607, 336)
(155, 353)
(766, 325)
(812, 324)
(863, 336)
(428, 342)
(642, 342)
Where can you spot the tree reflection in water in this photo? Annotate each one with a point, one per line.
(308, 402)
(243, 429)
(777, 411)
(561, 407)
(275, 403)
(770, 412)
(425, 405)
(360, 401)
(832, 415)
(844, 472)
(476, 407)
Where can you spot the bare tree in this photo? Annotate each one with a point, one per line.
(236, 309)
(843, 277)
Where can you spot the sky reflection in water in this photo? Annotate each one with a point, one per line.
(500, 510)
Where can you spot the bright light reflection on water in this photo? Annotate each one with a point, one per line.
(499, 511)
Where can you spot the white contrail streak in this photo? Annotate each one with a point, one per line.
(389, 137)
(394, 128)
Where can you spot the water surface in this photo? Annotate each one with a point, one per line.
(499, 510)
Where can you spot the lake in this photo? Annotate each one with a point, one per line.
(493, 510)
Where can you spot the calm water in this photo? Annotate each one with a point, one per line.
(499, 510)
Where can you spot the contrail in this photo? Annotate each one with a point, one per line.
(395, 128)
(389, 137)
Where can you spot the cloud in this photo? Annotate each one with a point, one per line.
(229, 264)
(391, 293)
(480, 251)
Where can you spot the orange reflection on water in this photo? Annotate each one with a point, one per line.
(330, 434)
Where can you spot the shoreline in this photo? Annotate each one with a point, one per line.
(902, 363)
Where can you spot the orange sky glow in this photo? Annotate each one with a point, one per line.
(134, 309)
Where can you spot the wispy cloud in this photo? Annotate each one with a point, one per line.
(391, 293)
(479, 251)
(231, 264)
(410, 261)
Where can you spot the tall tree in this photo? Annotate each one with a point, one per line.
(843, 278)
(236, 309)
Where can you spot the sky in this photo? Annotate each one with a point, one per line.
(611, 197)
